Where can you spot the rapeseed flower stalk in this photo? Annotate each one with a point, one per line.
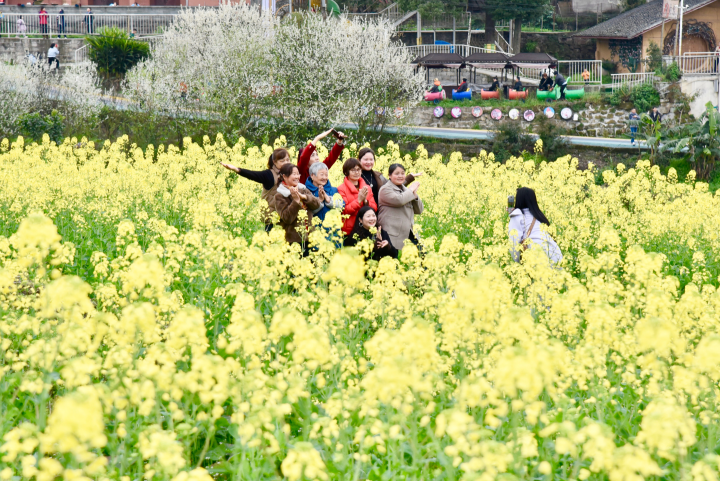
(151, 329)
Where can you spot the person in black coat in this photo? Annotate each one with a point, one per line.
(495, 85)
(655, 115)
(365, 220)
(463, 87)
(546, 83)
(518, 85)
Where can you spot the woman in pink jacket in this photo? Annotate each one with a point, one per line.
(355, 193)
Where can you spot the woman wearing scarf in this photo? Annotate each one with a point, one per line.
(291, 198)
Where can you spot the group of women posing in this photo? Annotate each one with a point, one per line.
(373, 205)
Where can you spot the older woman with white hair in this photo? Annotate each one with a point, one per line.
(318, 183)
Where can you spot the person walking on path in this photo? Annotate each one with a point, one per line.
(21, 27)
(88, 20)
(398, 207)
(61, 23)
(52, 55)
(562, 83)
(633, 120)
(44, 23)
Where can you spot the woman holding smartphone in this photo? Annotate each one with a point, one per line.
(373, 178)
(308, 155)
(398, 207)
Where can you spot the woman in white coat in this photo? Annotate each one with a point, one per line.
(525, 230)
(397, 207)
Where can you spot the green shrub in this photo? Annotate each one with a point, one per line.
(673, 72)
(530, 47)
(644, 97)
(33, 126)
(654, 56)
(611, 67)
(114, 52)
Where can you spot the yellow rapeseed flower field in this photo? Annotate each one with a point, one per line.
(151, 329)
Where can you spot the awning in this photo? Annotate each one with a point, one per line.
(440, 60)
(533, 60)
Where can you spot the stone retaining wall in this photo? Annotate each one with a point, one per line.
(594, 121)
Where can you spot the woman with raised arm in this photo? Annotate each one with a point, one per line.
(373, 178)
(524, 229)
(290, 199)
(355, 193)
(268, 178)
(308, 155)
(398, 206)
(365, 221)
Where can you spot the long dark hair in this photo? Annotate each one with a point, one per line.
(277, 155)
(285, 171)
(525, 199)
(358, 229)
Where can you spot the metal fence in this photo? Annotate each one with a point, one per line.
(698, 63)
(573, 70)
(18, 25)
(632, 79)
(462, 50)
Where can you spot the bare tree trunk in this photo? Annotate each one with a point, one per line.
(516, 32)
(490, 33)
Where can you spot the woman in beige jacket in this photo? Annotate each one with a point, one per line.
(398, 205)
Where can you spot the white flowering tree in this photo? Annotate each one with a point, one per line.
(256, 74)
(27, 88)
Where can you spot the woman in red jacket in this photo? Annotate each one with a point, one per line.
(355, 192)
(308, 155)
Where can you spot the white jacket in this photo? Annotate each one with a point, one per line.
(517, 230)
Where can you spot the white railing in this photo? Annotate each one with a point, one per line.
(502, 41)
(698, 63)
(81, 54)
(573, 69)
(82, 24)
(462, 50)
(632, 79)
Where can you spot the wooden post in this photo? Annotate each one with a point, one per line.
(454, 42)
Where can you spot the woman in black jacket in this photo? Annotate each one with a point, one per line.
(365, 220)
(268, 178)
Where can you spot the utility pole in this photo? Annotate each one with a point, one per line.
(682, 11)
(419, 29)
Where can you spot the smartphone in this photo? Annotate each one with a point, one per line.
(337, 135)
(511, 201)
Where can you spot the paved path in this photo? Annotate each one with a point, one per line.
(470, 134)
